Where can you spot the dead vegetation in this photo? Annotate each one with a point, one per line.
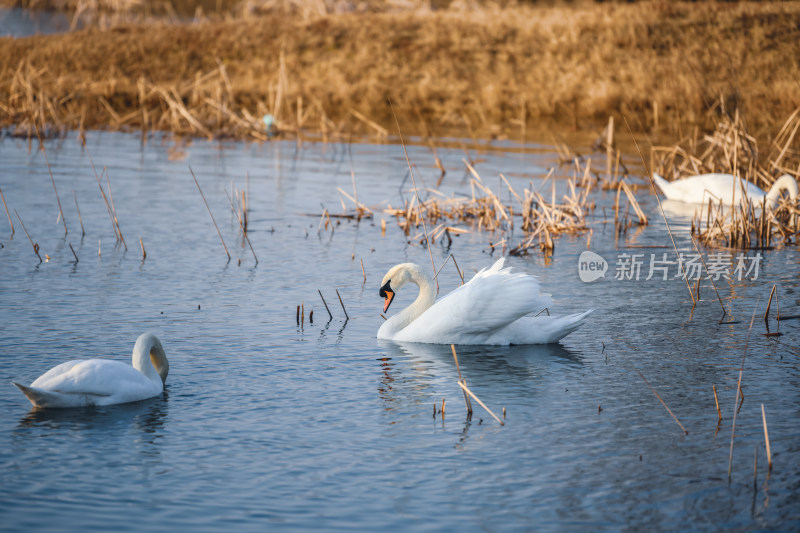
(486, 70)
(730, 149)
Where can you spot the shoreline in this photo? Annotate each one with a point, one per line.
(486, 73)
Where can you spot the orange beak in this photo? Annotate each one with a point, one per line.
(388, 300)
(388, 295)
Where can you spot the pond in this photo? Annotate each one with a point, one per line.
(269, 424)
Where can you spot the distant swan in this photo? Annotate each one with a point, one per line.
(87, 382)
(489, 309)
(724, 188)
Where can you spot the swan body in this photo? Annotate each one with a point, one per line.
(89, 382)
(726, 189)
(489, 309)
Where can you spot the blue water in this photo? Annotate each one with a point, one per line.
(267, 424)
(18, 22)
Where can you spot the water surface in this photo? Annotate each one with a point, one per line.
(265, 423)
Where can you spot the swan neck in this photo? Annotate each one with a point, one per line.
(784, 183)
(425, 299)
(149, 358)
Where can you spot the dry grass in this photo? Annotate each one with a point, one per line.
(730, 149)
(540, 219)
(491, 71)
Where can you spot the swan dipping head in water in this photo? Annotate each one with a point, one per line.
(726, 189)
(489, 309)
(89, 382)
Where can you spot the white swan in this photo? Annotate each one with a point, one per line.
(724, 188)
(86, 382)
(489, 309)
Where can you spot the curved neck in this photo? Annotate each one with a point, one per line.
(425, 299)
(149, 358)
(784, 183)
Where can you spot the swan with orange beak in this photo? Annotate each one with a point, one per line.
(491, 308)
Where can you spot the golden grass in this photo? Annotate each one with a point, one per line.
(491, 71)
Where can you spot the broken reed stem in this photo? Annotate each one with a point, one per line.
(724, 312)
(766, 437)
(362, 270)
(738, 390)
(461, 380)
(144, 254)
(80, 218)
(464, 387)
(662, 402)
(716, 400)
(347, 317)
(325, 303)
(416, 193)
(660, 207)
(35, 246)
(449, 257)
(241, 225)
(52, 179)
(769, 304)
(7, 213)
(209, 212)
(73, 253)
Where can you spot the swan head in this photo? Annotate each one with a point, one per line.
(396, 278)
(149, 347)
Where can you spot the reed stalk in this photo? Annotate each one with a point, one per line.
(416, 192)
(144, 253)
(465, 389)
(325, 304)
(210, 214)
(347, 317)
(35, 246)
(766, 437)
(73, 253)
(77, 207)
(738, 391)
(52, 179)
(7, 213)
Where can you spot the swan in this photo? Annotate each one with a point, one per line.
(88, 382)
(489, 309)
(726, 188)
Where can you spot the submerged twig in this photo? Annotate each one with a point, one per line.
(662, 402)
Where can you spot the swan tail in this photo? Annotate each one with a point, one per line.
(565, 325)
(38, 397)
(662, 184)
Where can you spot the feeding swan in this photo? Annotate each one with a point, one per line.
(489, 309)
(724, 188)
(88, 382)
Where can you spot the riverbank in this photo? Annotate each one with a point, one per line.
(484, 72)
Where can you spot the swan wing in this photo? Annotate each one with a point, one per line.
(91, 382)
(491, 300)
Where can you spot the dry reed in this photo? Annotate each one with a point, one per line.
(306, 67)
(731, 149)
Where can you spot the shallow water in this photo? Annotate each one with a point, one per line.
(268, 424)
(18, 22)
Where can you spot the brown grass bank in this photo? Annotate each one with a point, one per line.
(487, 70)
